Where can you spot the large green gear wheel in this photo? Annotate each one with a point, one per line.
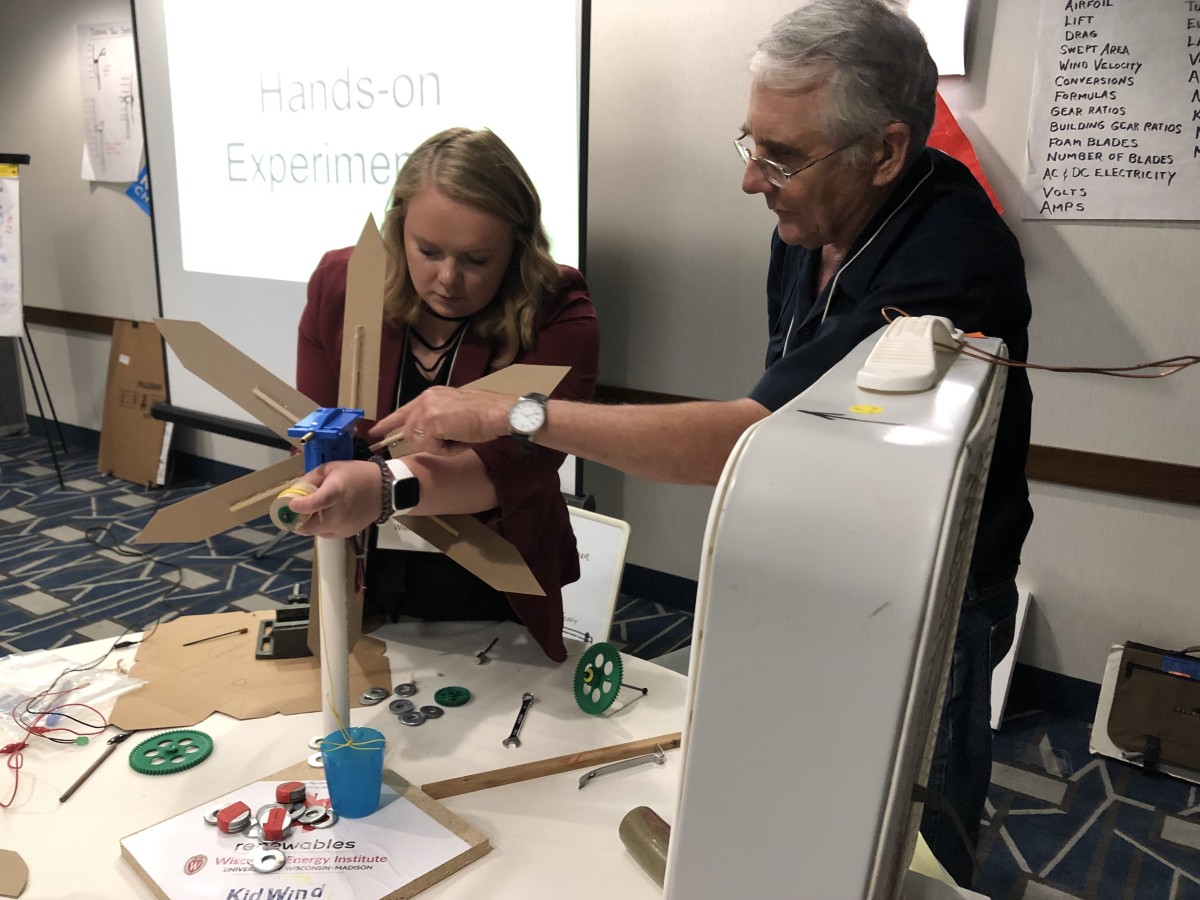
(598, 678)
(170, 752)
(451, 696)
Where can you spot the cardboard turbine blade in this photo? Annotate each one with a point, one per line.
(209, 356)
(363, 322)
(521, 379)
(479, 550)
(222, 507)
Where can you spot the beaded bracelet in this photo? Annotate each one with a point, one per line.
(387, 479)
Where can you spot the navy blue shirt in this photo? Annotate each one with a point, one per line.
(937, 247)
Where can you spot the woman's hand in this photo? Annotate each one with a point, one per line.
(348, 498)
(441, 420)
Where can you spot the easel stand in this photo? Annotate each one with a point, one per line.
(37, 397)
(13, 160)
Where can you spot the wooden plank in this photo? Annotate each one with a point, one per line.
(600, 756)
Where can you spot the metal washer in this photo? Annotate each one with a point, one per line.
(261, 815)
(326, 822)
(211, 817)
(312, 814)
(400, 706)
(267, 861)
(374, 695)
(432, 712)
(316, 761)
(413, 717)
(406, 689)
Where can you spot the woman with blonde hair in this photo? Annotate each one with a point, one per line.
(471, 288)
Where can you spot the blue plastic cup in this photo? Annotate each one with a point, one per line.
(354, 770)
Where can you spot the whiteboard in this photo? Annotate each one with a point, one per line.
(10, 252)
(589, 602)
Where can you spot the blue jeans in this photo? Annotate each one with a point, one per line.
(962, 756)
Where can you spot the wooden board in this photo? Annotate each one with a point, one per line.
(481, 781)
(478, 844)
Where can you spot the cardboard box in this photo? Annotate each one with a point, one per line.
(133, 444)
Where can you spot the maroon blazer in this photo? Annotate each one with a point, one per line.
(532, 514)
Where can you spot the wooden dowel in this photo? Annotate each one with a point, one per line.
(355, 399)
(278, 407)
(438, 520)
(465, 784)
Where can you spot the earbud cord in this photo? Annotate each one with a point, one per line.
(846, 264)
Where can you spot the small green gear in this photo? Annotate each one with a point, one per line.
(598, 678)
(451, 696)
(170, 752)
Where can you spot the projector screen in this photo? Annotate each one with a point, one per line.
(274, 127)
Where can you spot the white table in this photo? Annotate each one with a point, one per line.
(549, 838)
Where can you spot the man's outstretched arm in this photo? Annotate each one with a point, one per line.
(684, 443)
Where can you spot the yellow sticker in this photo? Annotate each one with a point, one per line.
(867, 410)
(8, 170)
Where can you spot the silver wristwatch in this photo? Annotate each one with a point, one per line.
(527, 417)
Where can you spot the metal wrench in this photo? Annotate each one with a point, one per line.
(483, 654)
(657, 757)
(512, 740)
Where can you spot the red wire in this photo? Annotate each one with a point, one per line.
(15, 760)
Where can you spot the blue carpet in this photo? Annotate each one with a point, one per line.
(1064, 823)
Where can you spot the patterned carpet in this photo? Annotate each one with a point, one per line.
(1061, 823)
(1064, 823)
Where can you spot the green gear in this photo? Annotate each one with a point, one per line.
(451, 696)
(170, 752)
(598, 678)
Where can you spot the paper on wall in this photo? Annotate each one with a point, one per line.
(112, 126)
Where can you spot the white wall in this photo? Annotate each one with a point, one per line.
(677, 260)
(1102, 568)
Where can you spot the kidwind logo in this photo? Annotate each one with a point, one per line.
(289, 893)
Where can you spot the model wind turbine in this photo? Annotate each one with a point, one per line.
(283, 409)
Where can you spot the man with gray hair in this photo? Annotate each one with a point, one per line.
(841, 104)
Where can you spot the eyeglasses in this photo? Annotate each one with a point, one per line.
(779, 175)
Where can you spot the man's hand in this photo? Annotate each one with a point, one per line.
(441, 420)
(348, 499)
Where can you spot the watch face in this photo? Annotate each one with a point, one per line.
(406, 493)
(527, 416)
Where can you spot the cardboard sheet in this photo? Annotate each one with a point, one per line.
(133, 443)
(187, 684)
(14, 874)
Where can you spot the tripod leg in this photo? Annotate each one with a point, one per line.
(38, 398)
(49, 400)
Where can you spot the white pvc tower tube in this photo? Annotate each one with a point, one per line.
(335, 639)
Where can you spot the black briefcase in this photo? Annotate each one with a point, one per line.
(1156, 706)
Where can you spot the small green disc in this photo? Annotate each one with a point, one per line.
(170, 752)
(451, 696)
(597, 678)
